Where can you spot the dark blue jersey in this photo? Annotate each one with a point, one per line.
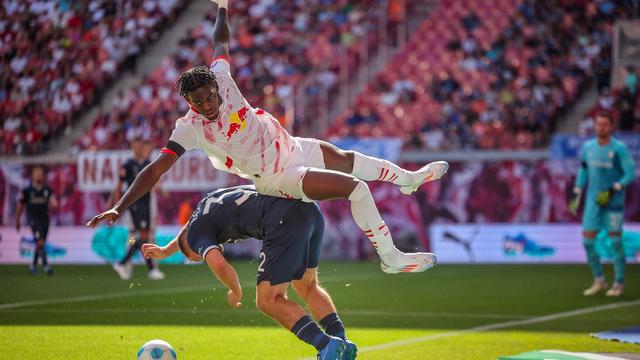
(237, 213)
(36, 200)
(128, 174)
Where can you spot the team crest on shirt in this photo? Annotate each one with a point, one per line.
(610, 154)
(237, 122)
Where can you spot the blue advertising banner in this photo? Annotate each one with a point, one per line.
(384, 148)
(567, 146)
(524, 243)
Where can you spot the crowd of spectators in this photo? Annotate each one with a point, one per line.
(57, 56)
(487, 74)
(274, 46)
(622, 103)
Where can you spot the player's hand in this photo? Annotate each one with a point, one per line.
(603, 198)
(234, 298)
(153, 251)
(574, 204)
(110, 215)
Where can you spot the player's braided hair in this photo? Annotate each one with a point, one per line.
(195, 78)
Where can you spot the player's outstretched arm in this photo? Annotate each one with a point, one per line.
(147, 178)
(221, 32)
(153, 251)
(227, 275)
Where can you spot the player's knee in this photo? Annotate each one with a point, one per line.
(360, 191)
(347, 157)
(589, 235)
(336, 158)
(40, 243)
(265, 297)
(302, 288)
(262, 304)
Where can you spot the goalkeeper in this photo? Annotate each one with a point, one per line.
(607, 166)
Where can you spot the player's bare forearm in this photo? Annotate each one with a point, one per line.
(145, 181)
(223, 271)
(153, 251)
(221, 31)
(172, 247)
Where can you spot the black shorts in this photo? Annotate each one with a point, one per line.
(40, 229)
(141, 217)
(293, 246)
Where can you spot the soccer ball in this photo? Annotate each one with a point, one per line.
(157, 350)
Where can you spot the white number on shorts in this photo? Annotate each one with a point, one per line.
(615, 220)
(263, 258)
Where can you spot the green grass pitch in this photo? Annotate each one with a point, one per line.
(86, 312)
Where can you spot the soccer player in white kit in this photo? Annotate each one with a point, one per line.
(249, 142)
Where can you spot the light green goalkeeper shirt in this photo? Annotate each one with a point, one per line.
(603, 166)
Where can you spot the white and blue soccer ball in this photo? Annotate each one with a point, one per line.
(156, 350)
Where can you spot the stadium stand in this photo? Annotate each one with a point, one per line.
(269, 59)
(623, 103)
(486, 74)
(51, 74)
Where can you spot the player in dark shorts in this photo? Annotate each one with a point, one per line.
(140, 210)
(36, 198)
(292, 233)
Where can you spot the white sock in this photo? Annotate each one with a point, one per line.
(366, 215)
(369, 168)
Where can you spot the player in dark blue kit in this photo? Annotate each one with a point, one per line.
(36, 198)
(292, 233)
(140, 210)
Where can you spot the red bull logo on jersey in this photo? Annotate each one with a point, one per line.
(237, 122)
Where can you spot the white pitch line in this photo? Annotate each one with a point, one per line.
(140, 292)
(495, 326)
(502, 325)
(197, 310)
(433, 314)
(117, 295)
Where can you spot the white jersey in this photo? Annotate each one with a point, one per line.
(245, 141)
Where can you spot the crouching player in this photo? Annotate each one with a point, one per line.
(292, 232)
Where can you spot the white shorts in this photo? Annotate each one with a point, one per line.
(288, 183)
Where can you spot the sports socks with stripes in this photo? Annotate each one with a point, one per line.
(592, 257)
(333, 326)
(308, 331)
(618, 259)
(367, 217)
(370, 169)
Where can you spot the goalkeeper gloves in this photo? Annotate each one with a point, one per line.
(575, 201)
(603, 197)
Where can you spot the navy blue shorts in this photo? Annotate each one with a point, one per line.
(141, 217)
(293, 246)
(40, 229)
